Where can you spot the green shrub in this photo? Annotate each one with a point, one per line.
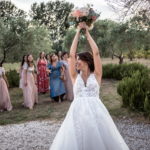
(134, 86)
(142, 54)
(118, 72)
(135, 91)
(147, 104)
(13, 78)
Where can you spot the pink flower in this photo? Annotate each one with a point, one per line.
(77, 13)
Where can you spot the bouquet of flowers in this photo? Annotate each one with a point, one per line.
(84, 14)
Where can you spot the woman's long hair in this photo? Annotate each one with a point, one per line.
(51, 61)
(32, 62)
(22, 62)
(63, 54)
(88, 58)
(41, 54)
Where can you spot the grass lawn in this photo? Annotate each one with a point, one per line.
(45, 109)
(56, 111)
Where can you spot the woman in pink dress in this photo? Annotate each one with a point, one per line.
(67, 81)
(42, 78)
(23, 66)
(30, 88)
(5, 103)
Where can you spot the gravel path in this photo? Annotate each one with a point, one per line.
(38, 135)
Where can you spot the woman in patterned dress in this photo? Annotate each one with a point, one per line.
(57, 88)
(42, 78)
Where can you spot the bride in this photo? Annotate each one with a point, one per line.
(88, 125)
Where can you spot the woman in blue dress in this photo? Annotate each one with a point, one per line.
(57, 88)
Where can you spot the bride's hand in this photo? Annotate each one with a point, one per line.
(81, 25)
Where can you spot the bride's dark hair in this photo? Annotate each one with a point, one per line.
(88, 58)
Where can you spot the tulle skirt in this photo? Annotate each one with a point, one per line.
(30, 92)
(5, 102)
(88, 126)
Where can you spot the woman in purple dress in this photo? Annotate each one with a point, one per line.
(67, 81)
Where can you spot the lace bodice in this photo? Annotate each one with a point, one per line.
(91, 89)
(30, 69)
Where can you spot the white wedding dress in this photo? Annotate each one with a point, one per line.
(88, 125)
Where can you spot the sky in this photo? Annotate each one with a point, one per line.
(99, 5)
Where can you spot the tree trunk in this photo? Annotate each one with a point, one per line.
(131, 55)
(131, 59)
(112, 55)
(121, 59)
(4, 57)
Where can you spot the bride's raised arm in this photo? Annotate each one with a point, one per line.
(72, 58)
(96, 56)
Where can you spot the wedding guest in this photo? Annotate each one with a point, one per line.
(42, 78)
(59, 55)
(67, 81)
(30, 88)
(5, 103)
(47, 58)
(57, 88)
(23, 66)
(48, 62)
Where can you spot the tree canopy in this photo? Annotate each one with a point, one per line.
(47, 29)
(53, 15)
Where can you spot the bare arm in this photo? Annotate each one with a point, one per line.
(35, 77)
(96, 56)
(72, 58)
(63, 77)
